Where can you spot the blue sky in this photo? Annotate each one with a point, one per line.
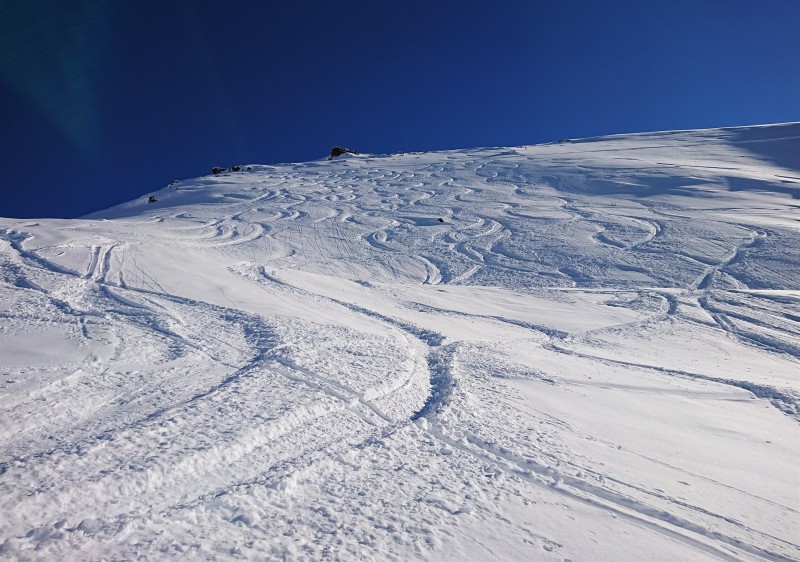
(102, 102)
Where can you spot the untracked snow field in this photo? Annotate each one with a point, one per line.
(586, 350)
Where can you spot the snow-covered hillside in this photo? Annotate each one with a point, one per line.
(586, 350)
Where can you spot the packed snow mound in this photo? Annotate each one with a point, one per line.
(580, 350)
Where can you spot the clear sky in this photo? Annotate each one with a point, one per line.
(102, 102)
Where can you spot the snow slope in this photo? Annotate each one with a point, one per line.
(594, 355)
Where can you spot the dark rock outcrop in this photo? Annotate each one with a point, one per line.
(338, 151)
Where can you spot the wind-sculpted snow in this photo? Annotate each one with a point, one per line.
(585, 350)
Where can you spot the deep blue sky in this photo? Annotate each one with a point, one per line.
(104, 101)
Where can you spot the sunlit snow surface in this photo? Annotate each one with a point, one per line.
(594, 355)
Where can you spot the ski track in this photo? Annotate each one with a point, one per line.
(399, 357)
